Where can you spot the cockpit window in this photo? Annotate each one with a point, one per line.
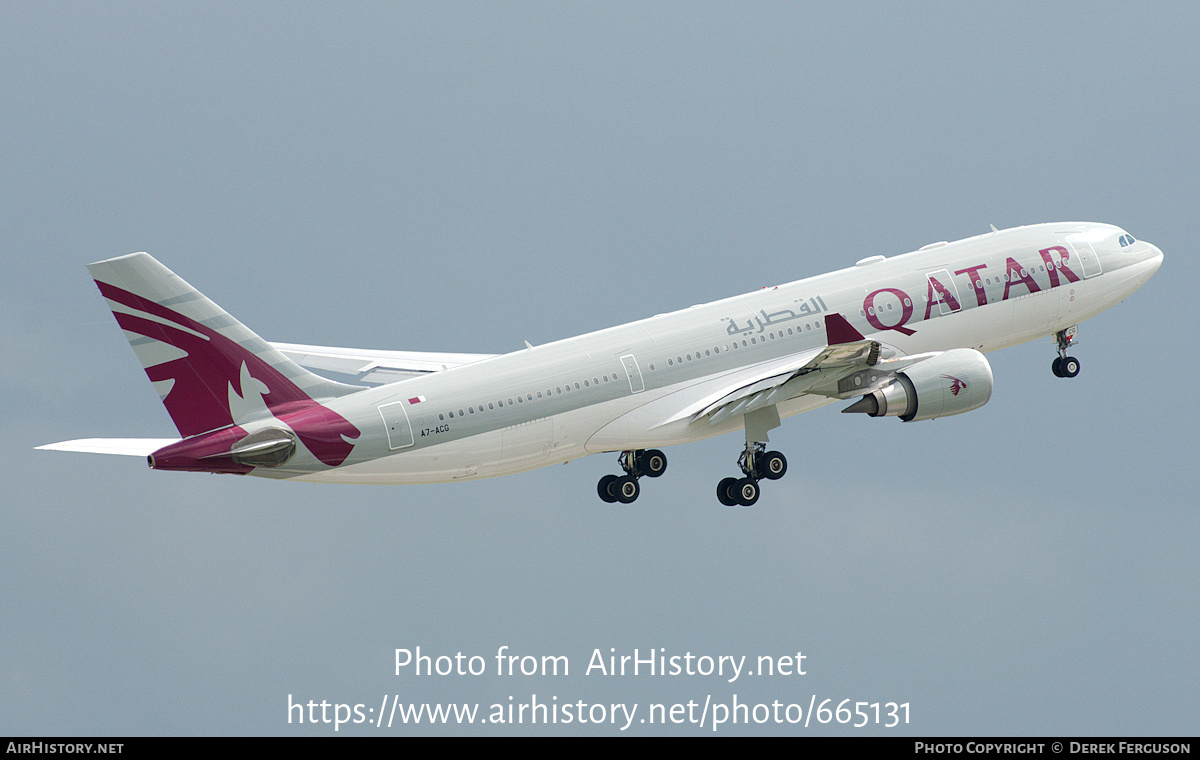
(1126, 240)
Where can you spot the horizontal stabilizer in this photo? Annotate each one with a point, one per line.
(129, 447)
(372, 367)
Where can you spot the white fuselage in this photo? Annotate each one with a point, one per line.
(622, 388)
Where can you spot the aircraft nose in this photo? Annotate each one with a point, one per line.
(1156, 257)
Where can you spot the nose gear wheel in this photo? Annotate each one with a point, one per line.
(1063, 365)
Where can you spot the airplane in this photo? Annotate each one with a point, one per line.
(900, 336)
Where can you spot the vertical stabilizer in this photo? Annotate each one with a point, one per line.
(209, 369)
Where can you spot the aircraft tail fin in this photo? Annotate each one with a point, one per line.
(210, 370)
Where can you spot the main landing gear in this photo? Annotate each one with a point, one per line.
(625, 488)
(1065, 366)
(756, 463)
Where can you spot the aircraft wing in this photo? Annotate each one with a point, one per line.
(775, 381)
(849, 365)
(813, 370)
(372, 367)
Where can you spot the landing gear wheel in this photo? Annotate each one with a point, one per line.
(652, 463)
(747, 491)
(1065, 366)
(604, 486)
(725, 492)
(772, 465)
(626, 489)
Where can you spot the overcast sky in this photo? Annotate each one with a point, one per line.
(465, 177)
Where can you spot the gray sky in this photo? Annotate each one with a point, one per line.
(464, 177)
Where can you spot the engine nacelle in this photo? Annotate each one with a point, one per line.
(227, 450)
(952, 382)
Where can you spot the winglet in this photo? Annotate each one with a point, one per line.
(838, 330)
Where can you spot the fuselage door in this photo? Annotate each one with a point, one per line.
(634, 373)
(1089, 262)
(943, 291)
(399, 430)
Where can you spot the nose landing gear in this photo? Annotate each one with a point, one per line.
(1065, 366)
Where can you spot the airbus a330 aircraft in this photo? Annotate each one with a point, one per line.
(901, 337)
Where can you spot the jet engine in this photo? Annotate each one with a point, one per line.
(952, 382)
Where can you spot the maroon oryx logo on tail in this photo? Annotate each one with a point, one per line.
(210, 365)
